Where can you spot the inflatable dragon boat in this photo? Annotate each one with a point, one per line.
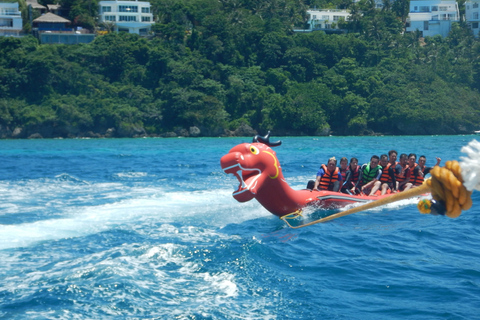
(258, 170)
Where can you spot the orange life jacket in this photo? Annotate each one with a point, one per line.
(327, 180)
(385, 177)
(398, 176)
(416, 179)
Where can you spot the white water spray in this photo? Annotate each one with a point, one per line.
(471, 166)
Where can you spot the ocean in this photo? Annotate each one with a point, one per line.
(148, 229)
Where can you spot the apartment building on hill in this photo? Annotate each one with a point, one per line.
(432, 17)
(325, 19)
(10, 19)
(472, 15)
(127, 16)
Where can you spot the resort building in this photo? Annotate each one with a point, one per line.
(326, 20)
(50, 29)
(33, 4)
(127, 16)
(10, 19)
(51, 22)
(57, 9)
(433, 17)
(472, 12)
(379, 4)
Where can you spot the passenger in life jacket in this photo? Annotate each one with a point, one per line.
(351, 179)
(385, 178)
(343, 168)
(426, 170)
(369, 174)
(417, 179)
(416, 174)
(404, 176)
(328, 177)
(396, 170)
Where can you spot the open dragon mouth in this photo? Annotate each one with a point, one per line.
(247, 179)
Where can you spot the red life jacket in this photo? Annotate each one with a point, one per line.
(343, 173)
(327, 180)
(355, 174)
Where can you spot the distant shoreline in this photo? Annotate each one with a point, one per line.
(216, 137)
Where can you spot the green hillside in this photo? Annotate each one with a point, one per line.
(218, 68)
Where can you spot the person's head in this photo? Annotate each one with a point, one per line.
(344, 163)
(332, 164)
(353, 163)
(421, 161)
(412, 157)
(392, 154)
(383, 160)
(403, 159)
(374, 161)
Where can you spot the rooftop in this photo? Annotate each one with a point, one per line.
(35, 4)
(50, 17)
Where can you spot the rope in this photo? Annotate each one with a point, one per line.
(448, 190)
(424, 188)
(449, 195)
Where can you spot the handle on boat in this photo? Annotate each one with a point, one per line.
(451, 189)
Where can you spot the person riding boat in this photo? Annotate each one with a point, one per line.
(370, 173)
(328, 177)
(343, 168)
(396, 170)
(404, 176)
(416, 174)
(386, 178)
(418, 180)
(352, 177)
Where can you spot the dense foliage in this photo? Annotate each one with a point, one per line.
(218, 65)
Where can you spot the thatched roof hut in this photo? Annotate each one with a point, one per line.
(51, 18)
(53, 7)
(35, 5)
(50, 21)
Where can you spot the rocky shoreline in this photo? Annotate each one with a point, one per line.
(52, 132)
(244, 130)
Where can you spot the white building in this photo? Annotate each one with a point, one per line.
(10, 19)
(127, 16)
(472, 13)
(378, 3)
(325, 19)
(432, 17)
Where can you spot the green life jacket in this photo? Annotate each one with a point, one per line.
(369, 173)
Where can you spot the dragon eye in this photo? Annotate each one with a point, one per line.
(254, 150)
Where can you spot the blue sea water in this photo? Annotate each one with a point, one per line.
(148, 229)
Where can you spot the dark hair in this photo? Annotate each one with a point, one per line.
(384, 156)
(412, 154)
(422, 157)
(375, 157)
(403, 155)
(343, 159)
(392, 151)
(353, 159)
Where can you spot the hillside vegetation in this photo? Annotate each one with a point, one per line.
(218, 68)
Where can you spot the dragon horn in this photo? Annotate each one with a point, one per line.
(266, 140)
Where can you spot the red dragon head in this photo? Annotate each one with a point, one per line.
(252, 164)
